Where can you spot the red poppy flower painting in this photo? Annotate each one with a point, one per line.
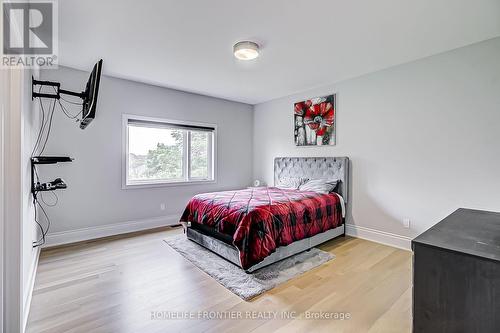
(315, 121)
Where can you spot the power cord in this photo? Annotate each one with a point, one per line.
(65, 111)
(41, 240)
(56, 199)
(46, 123)
(49, 128)
(42, 125)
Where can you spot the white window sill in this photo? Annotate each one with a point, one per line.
(138, 185)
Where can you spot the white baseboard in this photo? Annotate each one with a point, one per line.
(77, 235)
(83, 234)
(383, 237)
(30, 287)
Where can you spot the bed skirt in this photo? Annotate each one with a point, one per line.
(231, 254)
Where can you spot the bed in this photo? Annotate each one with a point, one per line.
(255, 227)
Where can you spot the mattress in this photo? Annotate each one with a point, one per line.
(257, 221)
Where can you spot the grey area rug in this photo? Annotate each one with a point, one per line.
(247, 286)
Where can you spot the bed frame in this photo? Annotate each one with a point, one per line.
(309, 167)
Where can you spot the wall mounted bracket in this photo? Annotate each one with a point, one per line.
(57, 88)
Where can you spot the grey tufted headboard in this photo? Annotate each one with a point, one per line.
(315, 167)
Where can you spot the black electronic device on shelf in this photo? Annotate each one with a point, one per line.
(58, 183)
(89, 96)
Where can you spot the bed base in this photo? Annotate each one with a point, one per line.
(231, 253)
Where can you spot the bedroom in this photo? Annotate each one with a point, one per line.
(391, 108)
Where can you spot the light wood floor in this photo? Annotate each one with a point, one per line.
(113, 285)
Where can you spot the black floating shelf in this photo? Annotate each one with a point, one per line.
(50, 159)
(49, 190)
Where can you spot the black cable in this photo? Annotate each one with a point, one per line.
(67, 113)
(40, 131)
(41, 241)
(51, 205)
(37, 243)
(50, 117)
(43, 127)
(62, 98)
(71, 102)
(36, 202)
(50, 127)
(46, 217)
(36, 174)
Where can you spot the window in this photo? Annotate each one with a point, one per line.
(160, 152)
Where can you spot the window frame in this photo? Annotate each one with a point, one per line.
(187, 180)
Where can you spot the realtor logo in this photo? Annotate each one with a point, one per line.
(29, 36)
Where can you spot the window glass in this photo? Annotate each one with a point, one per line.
(200, 154)
(155, 153)
(166, 152)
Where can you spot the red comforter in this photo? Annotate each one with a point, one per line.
(259, 220)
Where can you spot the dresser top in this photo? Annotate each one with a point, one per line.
(473, 232)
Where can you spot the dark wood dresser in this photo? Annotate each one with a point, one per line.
(456, 275)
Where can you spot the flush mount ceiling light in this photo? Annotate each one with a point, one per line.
(246, 50)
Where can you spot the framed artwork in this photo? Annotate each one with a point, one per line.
(314, 121)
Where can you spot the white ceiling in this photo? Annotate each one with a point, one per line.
(187, 45)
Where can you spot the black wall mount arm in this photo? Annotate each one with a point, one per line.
(57, 88)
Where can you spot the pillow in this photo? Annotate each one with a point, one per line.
(319, 185)
(292, 183)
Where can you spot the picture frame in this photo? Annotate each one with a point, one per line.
(315, 121)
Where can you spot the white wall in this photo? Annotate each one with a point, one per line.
(30, 233)
(95, 197)
(12, 242)
(423, 138)
(3, 109)
(19, 122)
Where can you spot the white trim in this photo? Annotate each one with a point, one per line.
(159, 183)
(126, 184)
(13, 237)
(4, 98)
(186, 156)
(83, 234)
(29, 288)
(383, 237)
